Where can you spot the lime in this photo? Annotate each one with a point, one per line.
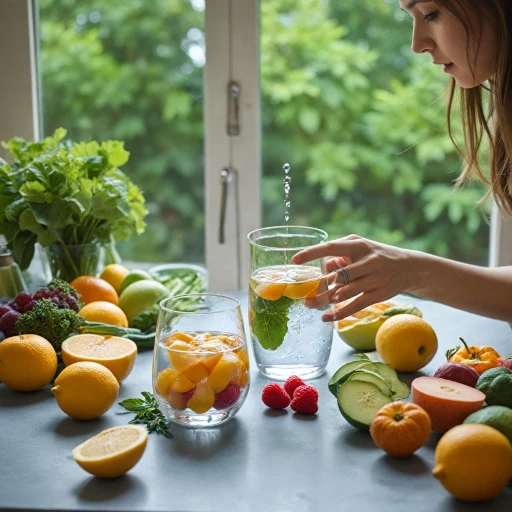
(141, 296)
(497, 416)
(496, 383)
(134, 276)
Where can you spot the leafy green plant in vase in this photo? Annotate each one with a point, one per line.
(71, 198)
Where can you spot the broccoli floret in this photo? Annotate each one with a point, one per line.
(49, 321)
(146, 320)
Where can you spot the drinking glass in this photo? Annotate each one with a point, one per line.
(287, 338)
(200, 361)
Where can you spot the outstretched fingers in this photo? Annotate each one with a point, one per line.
(364, 300)
(344, 247)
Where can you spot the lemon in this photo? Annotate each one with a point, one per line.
(115, 274)
(360, 329)
(27, 362)
(406, 342)
(113, 452)
(140, 296)
(85, 390)
(115, 353)
(473, 462)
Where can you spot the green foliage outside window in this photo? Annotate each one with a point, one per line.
(360, 119)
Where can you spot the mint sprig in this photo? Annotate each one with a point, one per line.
(147, 413)
(270, 321)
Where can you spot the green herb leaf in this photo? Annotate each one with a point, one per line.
(147, 413)
(270, 322)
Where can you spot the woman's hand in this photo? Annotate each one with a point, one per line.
(376, 273)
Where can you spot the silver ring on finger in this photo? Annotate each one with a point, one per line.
(343, 272)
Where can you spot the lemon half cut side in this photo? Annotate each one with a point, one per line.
(113, 452)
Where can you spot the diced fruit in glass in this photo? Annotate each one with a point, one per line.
(196, 371)
(226, 370)
(211, 362)
(243, 356)
(178, 336)
(176, 400)
(203, 398)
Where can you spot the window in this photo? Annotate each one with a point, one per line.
(361, 121)
(133, 71)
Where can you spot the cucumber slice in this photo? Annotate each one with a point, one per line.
(365, 375)
(342, 374)
(359, 401)
(398, 388)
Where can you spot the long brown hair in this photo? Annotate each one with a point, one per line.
(486, 110)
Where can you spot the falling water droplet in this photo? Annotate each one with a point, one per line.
(286, 182)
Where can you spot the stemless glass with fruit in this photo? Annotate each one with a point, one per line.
(200, 362)
(287, 338)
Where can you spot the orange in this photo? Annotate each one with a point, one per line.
(270, 291)
(85, 390)
(27, 362)
(473, 462)
(400, 428)
(94, 289)
(406, 342)
(113, 452)
(115, 353)
(114, 275)
(104, 312)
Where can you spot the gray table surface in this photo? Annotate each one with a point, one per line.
(260, 460)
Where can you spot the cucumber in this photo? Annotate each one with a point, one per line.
(342, 374)
(359, 401)
(398, 388)
(365, 375)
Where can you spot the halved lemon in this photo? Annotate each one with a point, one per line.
(115, 353)
(113, 452)
(360, 329)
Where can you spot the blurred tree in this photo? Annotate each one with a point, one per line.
(376, 154)
(360, 118)
(133, 71)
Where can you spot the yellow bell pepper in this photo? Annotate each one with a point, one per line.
(479, 358)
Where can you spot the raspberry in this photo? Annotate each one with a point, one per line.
(227, 397)
(305, 400)
(292, 383)
(275, 396)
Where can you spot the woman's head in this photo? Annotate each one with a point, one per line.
(472, 39)
(458, 34)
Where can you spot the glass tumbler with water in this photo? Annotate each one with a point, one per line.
(287, 337)
(200, 361)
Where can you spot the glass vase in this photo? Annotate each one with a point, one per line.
(110, 253)
(68, 262)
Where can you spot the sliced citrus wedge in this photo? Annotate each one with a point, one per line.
(359, 330)
(115, 353)
(113, 452)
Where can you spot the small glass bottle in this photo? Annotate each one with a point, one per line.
(11, 278)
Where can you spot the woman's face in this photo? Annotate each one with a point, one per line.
(442, 35)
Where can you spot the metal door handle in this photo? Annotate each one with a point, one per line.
(226, 175)
(233, 108)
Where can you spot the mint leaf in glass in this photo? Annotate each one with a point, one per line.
(270, 321)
